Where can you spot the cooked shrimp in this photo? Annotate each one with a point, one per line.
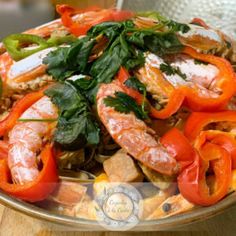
(198, 37)
(26, 140)
(202, 39)
(152, 203)
(201, 77)
(171, 206)
(27, 70)
(47, 29)
(5, 65)
(133, 135)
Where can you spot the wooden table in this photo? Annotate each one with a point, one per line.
(17, 224)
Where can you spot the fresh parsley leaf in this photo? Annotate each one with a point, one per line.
(134, 83)
(119, 54)
(199, 62)
(169, 70)
(82, 82)
(156, 42)
(136, 60)
(177, 27)
(108, 29)
(106, 67)
(125, 104)
(66, 61)
(228, 44)
(172, 25)
(76, 125)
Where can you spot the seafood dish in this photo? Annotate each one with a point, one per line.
(106, 96)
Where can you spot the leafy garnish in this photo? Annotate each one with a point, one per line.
(199, 62)
(163, 21)
(134, 83)
(228, 44)
(66, 61)
(123, 103)
(170, 70)
(57, 40)
(156, 42)
(125, 46)
(76, 125)
(177, 27)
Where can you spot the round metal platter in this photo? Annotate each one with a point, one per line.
(89, 225)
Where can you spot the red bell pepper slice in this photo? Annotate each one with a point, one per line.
(227, 142)
(198, 120)
(175, 101)
(227, 84)
(179, 146)
(40, 188)
(124, 75)
(3, 149)
(64, 8)
(200, 22)
(20, 107)
(79, 29)
(190, 97)
(192, 181)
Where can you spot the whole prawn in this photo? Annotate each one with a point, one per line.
(133, 135)
(26, 140)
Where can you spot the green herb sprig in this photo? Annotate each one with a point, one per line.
(123, 103)
(170, 70)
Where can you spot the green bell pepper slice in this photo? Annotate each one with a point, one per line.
(13, 44)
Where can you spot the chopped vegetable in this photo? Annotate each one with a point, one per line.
(164, 22)
(192, 182)
(134, 83)
(66, 61)
(76, 125)
(198, 121)
(98, 16)
(227, 85)
(14, 44)
(56, 40)
(179, 146)
(199, 62)
(170, 70)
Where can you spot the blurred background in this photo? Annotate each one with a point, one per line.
(19, 15)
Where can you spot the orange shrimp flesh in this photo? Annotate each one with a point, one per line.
(26, 140)
(133, 135)
(201, 77)
(5, 65)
